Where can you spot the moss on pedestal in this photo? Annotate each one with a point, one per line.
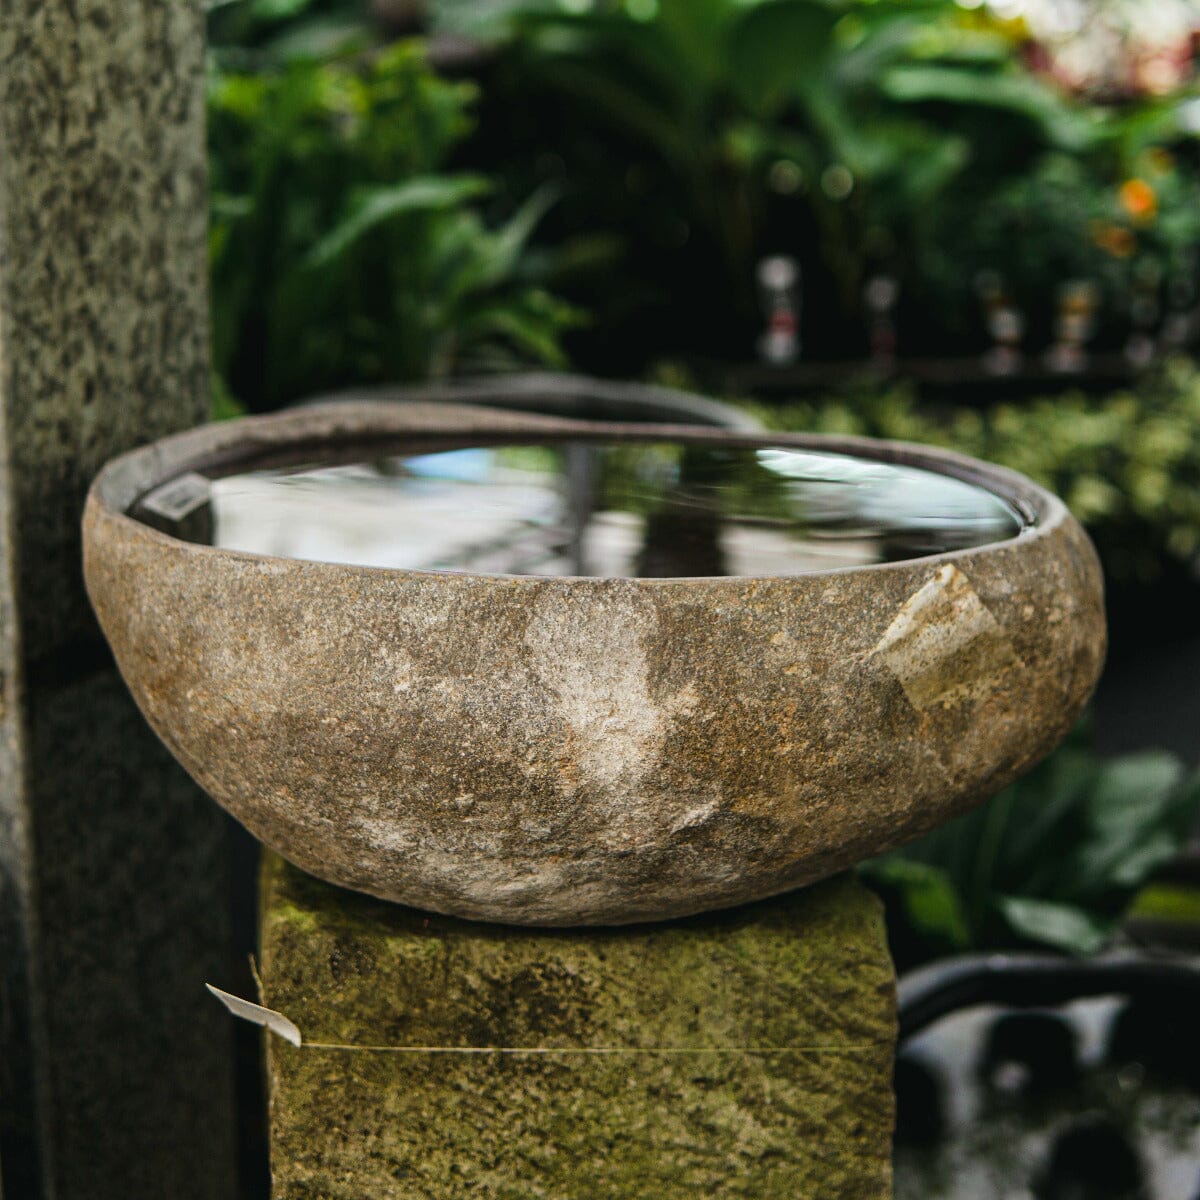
(805, 980)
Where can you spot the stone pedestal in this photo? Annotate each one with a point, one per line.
(115, 1073)
(738, 1054)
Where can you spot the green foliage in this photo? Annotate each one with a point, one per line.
(1177, 903)
(1063, 218)
(251, 34)
(486, 19)
(342, 248)
(898, 135)
(1127, 464)
(721, 93)
(1054, 860)
(686, 139)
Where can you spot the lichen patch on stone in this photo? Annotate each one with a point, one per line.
(808, 973)
(944, 646)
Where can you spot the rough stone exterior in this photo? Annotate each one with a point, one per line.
(809, 970)
(589, 751)
(114, 1072)
(103, 217)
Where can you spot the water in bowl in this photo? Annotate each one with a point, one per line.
(612, 509)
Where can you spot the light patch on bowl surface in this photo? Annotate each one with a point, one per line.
(594, 662)
(944, 645)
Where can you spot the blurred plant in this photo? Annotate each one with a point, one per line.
(707, 134)
(1111, 195)
(688, 139)
(1055, 859)
(1033, 232)
(1111, 217)
(341, 248)
(247, 34)
(490, 20)
(1127, 464)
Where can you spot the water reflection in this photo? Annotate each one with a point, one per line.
(604, 509)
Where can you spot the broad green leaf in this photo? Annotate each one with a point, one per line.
(1131, 788)
(488, 19)
(636, 57)
(320, 37)
(1050, 797)
(1060, 925)
(1137, 863)
(885, 38)
(933, 162)
(278, 10)
(1127, 831)
(370, 207)
(1168, 902)
(531, 332)
(778, 48)
(1013, 91)
(866, 148)
(698, 30)
(931, 901)
(504, 248)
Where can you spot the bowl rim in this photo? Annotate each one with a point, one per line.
(284, 436)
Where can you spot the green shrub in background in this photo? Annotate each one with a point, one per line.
(1054, 860)
(687, 138)
(1124, 214)
(861, 137)
(342, 248)
(1127, 464)
(706, 133)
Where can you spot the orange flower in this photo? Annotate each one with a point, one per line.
(1138, 199)
(1116, 239)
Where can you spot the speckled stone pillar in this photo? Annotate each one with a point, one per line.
(114, 1070)
(804, 980)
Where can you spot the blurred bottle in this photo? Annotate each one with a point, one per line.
(1144, 313)
(779, 288)
(880, 297)
(1005, 325)
(1078, 300)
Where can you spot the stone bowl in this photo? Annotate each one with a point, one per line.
(564, 751)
